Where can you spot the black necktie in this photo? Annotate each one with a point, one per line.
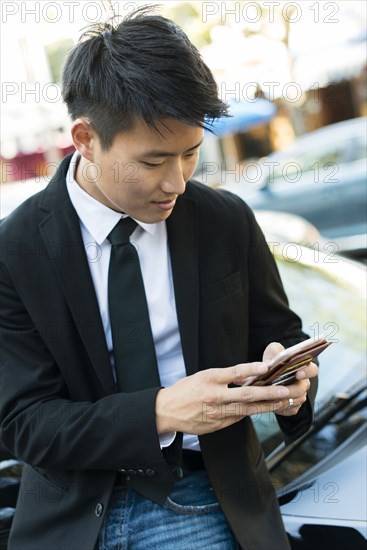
(133, 346)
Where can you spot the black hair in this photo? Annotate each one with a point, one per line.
(145, 67)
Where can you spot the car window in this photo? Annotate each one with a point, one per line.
(320, 164)
(359, 149)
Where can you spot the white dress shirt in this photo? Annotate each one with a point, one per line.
(150, 241)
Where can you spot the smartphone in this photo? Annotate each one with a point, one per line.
(283, 367)
(288, 353)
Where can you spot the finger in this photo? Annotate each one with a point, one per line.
(255, 394)
(298, 388)
(291, 406)
(239, 410)
(272, 350)
(288, 411)
(310, 371)
(237, 374)
(254, 409)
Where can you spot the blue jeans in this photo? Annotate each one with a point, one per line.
(190, 519)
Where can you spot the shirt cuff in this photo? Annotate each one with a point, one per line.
(166, 439)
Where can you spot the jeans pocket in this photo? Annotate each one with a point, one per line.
(188, 509)
(193, 495)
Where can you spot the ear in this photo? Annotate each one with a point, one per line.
(84, 138)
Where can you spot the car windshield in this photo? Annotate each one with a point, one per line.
(330, 301)
(335, 422)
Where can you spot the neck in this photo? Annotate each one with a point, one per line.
(89, 184)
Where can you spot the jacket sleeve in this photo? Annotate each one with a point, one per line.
(271, 320)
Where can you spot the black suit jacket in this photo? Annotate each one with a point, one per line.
(60, 410)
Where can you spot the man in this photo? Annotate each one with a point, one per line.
(106, 464)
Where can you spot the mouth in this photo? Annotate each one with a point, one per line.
(165, 205)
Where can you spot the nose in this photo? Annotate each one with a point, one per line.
(174, 181)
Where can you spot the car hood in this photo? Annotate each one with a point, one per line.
(335, 492)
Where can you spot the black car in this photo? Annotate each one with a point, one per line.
(321, 478)
(320, 177)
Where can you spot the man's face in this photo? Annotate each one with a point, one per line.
(143, 172)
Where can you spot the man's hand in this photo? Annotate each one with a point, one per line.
(298, 390)
(203, 403)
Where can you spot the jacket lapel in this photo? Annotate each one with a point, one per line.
(183, 245)
(60, 231)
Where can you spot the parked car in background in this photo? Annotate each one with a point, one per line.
(14, 193)
(281, 227)
(320, 177)
(321, 478)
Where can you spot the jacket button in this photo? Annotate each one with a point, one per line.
(98, 510)
(150, 472)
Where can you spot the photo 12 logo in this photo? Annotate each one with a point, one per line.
(253, 12)
(68, 11)
(268, 171)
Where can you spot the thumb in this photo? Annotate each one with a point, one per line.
(271, 350)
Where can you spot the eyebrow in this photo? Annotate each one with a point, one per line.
(158, 153)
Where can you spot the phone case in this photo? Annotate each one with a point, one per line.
(284, 372)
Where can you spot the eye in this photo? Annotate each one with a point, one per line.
(192, 155)
(151, 164)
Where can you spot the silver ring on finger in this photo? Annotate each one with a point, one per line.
(290, 403)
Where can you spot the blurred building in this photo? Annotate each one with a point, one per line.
(310, 62)
(307, 59)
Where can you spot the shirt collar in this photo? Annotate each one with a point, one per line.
(98, 219)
